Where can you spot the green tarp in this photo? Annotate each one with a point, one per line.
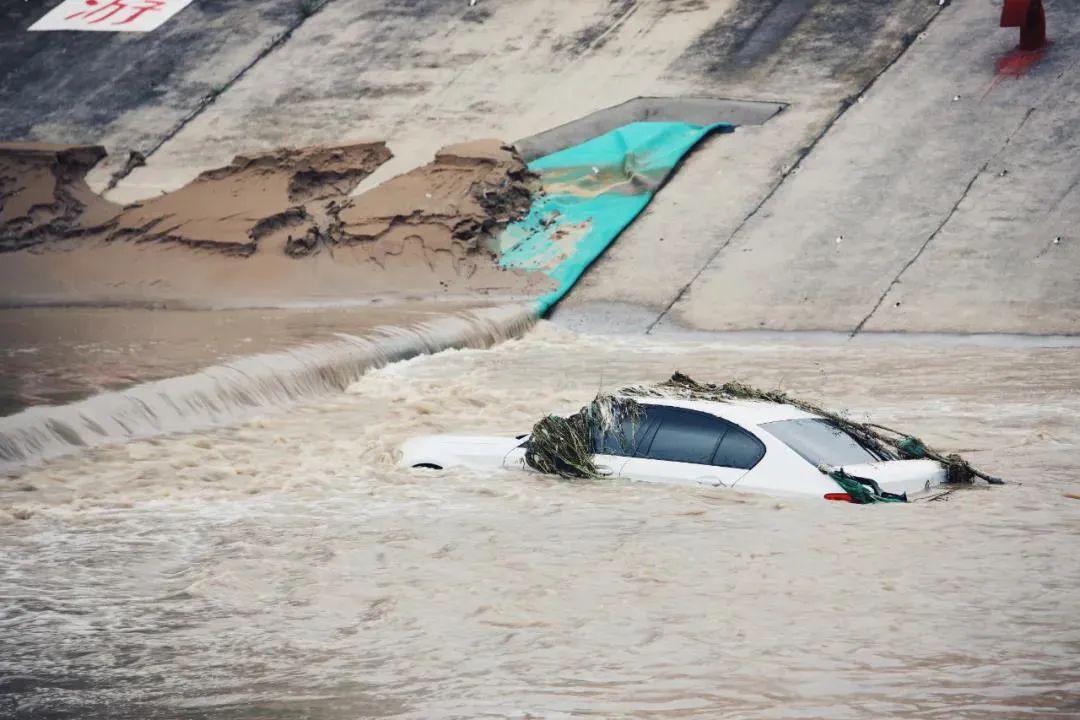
(592, 191)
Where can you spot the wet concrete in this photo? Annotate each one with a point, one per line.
(772, 30)
(421, 76)
(818, 58)
(943, 201)
(745, 227)
(128, 91)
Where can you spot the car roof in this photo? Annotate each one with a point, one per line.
(740, 412)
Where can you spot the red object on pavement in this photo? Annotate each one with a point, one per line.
(1029, 16)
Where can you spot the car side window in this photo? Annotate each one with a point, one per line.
(739, 449)
(684, 436)
(621, 440)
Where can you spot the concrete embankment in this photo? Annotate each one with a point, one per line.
(946, 199)
(943, 199)
(907, 186)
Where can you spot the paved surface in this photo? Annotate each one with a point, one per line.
(948, 186)
(817, 62)
(934, 238)
(425, 73)
(128, 91)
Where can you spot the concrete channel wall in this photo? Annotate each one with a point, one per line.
(905, 186)
(947, 199)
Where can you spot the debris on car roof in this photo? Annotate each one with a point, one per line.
(564, 446)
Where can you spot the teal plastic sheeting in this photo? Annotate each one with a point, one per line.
(592, 191)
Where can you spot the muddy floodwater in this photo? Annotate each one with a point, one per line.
(56, 355)
(284, 568)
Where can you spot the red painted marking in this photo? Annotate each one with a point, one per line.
(112, 8)
(1016, 62)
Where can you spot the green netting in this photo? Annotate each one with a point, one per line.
(863, 491)
(592, 192)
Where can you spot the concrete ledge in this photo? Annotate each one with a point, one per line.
(622, 319)
(604, 318)
(695, 110)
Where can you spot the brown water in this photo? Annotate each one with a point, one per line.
(51, 355)
(284, 568)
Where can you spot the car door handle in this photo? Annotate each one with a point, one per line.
(605, 471)
(711, 482)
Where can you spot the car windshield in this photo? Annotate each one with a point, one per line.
(820, 442)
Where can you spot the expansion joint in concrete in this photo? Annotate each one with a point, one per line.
(945, 221)
(800, 157)
(307, 8)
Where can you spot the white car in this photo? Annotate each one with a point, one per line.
(745, 445)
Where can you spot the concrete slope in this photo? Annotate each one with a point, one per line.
(425, 73)
(818, 56)
(932, 236)
(128, 91)
(1008, 258)
(934, 205)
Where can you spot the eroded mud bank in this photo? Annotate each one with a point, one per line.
(280, 225)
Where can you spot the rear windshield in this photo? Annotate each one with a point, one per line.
(820, 442)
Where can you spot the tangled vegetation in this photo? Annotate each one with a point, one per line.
(565, 446)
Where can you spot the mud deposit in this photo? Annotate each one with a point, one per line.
(451, 206)
(278, 225)
(285, 568)
(44, 196)
(272, 203)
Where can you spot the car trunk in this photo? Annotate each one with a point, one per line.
(900, 476)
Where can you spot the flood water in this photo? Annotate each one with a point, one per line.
(284, 568)
(56, 355)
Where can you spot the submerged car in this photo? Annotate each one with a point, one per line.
(750, 446)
